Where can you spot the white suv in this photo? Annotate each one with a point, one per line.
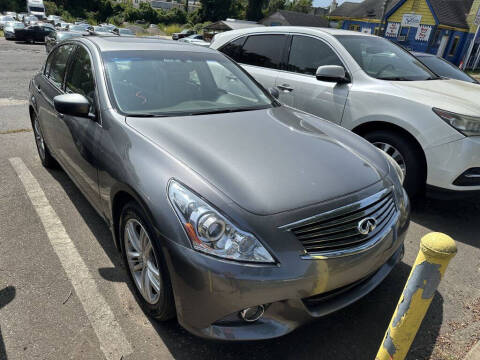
(429, 125)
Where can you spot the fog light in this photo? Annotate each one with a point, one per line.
(253, 313)
(471, 177)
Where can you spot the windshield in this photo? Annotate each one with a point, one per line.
(36, 9)
(166, 83)
(384, 60)
(126, 31)
(444, 68)
(77, 27)
(6, 18)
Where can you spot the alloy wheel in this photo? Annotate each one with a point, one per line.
(394, 153)
(142, 261)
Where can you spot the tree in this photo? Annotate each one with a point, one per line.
(300, 6)
(254, 9)
(214, 10)
(275, 5)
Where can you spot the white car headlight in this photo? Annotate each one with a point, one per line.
(395, 166)
(467, 125)
(210, 232)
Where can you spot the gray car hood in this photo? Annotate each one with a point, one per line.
(269, 161)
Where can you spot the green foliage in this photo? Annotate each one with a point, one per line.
(254, 9)
(274, 5)
(300, 6)
(170, 29)
(214, 10)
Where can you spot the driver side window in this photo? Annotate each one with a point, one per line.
(307, 54)
(80, 77)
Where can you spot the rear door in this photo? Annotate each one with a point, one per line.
(298, 85)
(261, 55)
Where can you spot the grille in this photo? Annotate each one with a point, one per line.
(338, 230)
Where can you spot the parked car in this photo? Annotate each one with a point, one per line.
(373, 87)
(195, 39)
(54, 19)
(62, 26)
(20, 16)
(123, 32)
(110, 27)
(443, 68)
(240, 215)
(78, 27)
(100, 31)
(30, 20)
(182, 34)
(4, 19)
(33, 33)
(55, 37)
(11, 13)
(9, 29)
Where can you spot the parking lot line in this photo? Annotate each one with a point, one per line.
(113, 342)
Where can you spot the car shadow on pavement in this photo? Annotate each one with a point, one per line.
(458, 218)
(7, 295)
(352, 333)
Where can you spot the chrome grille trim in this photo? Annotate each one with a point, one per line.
(335, 233)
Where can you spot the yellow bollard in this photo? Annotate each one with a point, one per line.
(436, 250)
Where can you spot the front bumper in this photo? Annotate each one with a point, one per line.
(447, 162)
(209, 293)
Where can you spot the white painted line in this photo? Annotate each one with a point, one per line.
(112, 340)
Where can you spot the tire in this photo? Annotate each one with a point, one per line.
(413, 163)
(43, 152)
(157, 304)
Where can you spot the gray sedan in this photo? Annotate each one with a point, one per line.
(242, 217)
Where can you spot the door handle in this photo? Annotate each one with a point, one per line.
(285, 88)
(39, 89)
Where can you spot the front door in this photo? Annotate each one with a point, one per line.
(81, 135)
(299, 87)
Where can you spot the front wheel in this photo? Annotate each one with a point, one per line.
(145, 264)
(43, 152)
(406, 154)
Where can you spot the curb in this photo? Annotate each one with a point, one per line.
(474, 353)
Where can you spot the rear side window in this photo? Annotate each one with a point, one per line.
(264, 50)
(56, 72)
(234, 49)
(307, 54)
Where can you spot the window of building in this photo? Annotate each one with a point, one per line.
(307, 54)
(264, 50)
(354, 27)
(454, 47)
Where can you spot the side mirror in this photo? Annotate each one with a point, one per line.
(72, 104)
(116, 31)
(274, 92)
(332, 73)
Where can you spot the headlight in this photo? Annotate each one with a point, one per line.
(395, 166)
(467, 125)
(212, 233)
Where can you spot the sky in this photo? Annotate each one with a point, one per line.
(325, 3)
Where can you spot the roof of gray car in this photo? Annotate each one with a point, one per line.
(119, 43)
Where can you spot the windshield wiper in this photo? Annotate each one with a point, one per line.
(223, 111)
(145, 115)
(395, 78)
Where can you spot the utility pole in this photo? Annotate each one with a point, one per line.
(472, 43)
(383, 25)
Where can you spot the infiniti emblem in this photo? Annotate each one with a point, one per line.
(367, 225)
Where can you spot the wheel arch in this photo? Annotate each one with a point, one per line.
(367, 127)
(121, 195)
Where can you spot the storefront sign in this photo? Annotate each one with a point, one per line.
(366, 30)
(423, 33)
(392, 29)
(411, 20)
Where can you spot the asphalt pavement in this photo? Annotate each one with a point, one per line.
(49, 311)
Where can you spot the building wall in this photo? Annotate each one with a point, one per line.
(419, 7)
